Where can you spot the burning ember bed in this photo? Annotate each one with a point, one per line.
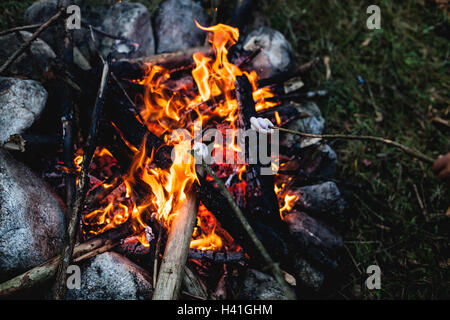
(124, 131)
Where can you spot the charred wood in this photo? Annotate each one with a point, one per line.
(217, 256)
(262, 201)
(284, 76)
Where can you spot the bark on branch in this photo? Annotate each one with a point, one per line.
(177, 249)
(82, 188)
(409, 151)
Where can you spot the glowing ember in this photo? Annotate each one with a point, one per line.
(165, 111)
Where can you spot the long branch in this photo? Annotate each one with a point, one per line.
(402, 147)
(83, 183)
(271, 264)
(21, 28)
(84, 24)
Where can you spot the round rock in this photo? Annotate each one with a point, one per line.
(31, 219)
(21, 102)
(275, 55)
(132, 21)
(25, 66)
(175, 25)
(111, 276)
(260, 286)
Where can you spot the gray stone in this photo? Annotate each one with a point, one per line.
(21, 102)
(132, 21)
(321, 162)
(110, 276)
(322, 198)
(31, 219)
(315, 124)
(175, 26)
(260, 286)
(39, 12)
(315, 240)
(276, 54)
(24, 65)
(93, 14)
(307, 275)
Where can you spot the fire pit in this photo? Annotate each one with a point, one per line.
(144, 218)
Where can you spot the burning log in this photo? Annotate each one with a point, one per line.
(100, 192)
(81, 252)
(134, 132)
(253, 236)
(215, 256)
(177, 248)
(174, 61)
(271, 238)
(261, 198)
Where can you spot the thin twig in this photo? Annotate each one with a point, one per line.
(82, 188)
(22, 28)
(271, 264)
(29, 53)
(24, 46)
(157, 251)
(84, 24)
(105, 34)
(405, 149)
(125, 93)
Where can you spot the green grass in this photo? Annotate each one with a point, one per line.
(405, 67)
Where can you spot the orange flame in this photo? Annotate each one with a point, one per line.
(164, 111)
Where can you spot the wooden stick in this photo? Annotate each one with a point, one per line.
(22, 28)
(30, 53)
(405, 149)
(279, 277)
(83, 184)
(25, 45)
(64, 38)
(193, 285)
(177, 248)
(86, 25)
(157, 251)
(47, 270)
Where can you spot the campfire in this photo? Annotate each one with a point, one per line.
(167, 175)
